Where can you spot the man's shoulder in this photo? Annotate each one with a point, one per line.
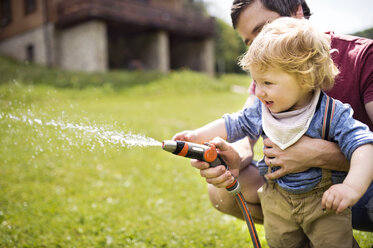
(354, 59)
(350, 42)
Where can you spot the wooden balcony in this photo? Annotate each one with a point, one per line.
(135, 12)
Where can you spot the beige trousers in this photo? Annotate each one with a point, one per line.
(294, 220)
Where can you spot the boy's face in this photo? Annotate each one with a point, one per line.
(252, 19)
(280, 91)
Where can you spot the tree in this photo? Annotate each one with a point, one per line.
(228, 47)
(367, 33)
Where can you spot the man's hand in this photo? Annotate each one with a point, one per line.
(219, 176)
(229, 154)
(304, 154)
(293, 159)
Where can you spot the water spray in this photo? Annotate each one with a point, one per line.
(209, 154)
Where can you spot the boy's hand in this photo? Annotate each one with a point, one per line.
(188, 135)
(338, 197)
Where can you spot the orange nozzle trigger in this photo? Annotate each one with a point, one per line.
(210, 154)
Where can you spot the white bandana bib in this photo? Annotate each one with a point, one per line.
(284, 129)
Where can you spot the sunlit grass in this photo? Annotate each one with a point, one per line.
(65, 188)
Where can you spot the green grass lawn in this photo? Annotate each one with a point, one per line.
(64, 187)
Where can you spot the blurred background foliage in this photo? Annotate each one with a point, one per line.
(228, 47)
(367, 33)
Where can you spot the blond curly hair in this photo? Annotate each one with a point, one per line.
(296, 47)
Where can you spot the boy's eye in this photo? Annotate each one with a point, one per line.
(267, 83)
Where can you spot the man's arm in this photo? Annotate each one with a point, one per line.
(245, 148)
(369, 109)
(304, 154)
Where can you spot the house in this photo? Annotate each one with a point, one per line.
(97, 35)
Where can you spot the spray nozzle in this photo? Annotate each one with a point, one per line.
(205, 153)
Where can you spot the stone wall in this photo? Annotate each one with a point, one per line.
(156, 54)
(130, 34)
(40, 40)
(193, 54)
(83, 47)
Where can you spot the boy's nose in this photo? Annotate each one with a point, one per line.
(259, 92)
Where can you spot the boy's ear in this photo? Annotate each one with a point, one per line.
(303, 83)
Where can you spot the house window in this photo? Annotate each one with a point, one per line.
(30, 6)
(30, 53)
(5, 12)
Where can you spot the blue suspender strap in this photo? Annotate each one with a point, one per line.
(328, 117)
(327, 120)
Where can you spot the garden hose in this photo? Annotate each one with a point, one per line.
(209, 154)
